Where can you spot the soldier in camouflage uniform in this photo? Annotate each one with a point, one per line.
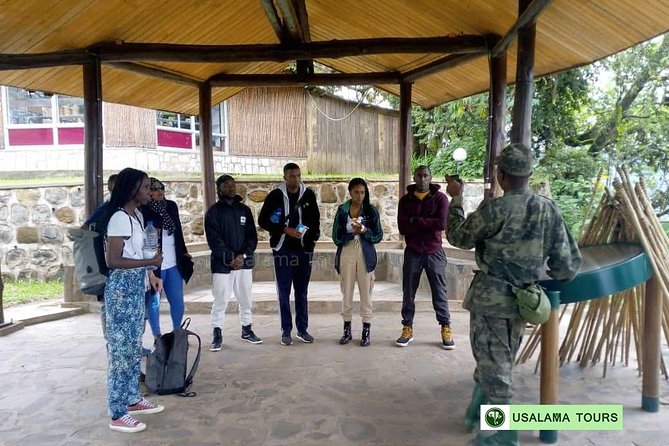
(513, 235)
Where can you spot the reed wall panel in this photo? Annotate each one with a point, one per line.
(267, 122)
(127, 126)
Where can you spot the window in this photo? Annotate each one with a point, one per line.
(28, 107)
(180, 131)
(37, 118)
(70, 109)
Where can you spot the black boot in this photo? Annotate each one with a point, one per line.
(364, 339)
(347, 333)
(217, 340)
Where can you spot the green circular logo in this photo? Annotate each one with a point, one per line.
(494, 417)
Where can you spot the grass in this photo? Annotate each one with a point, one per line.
(665, 225)
(27, 291)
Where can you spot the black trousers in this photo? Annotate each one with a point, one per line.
(293, 267)
(435, 268)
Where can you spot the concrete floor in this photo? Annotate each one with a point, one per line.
(53, 391)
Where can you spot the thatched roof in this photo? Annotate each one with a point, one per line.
(569, 33)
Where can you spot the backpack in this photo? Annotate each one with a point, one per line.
(166, 365)
(86, 263)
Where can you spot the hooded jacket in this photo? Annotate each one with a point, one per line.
(276, 210)
(230, 231)
(368, 239)
(421, 222)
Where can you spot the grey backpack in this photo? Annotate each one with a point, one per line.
(86, 264)
(167, 364)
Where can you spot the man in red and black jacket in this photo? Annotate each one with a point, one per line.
(421, 219)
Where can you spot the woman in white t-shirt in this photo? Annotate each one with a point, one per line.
(123, 227)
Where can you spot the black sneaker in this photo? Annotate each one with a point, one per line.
(305, 337)
(217, 341)
(286, 339)
(249, 336)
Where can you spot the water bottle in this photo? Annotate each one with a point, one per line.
(276, 216)
(150, 247)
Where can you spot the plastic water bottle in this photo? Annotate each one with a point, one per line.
(150, 247)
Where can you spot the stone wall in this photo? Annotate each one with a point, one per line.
(71, 159)
(34, 220)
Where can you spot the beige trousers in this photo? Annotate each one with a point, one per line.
(352, 269)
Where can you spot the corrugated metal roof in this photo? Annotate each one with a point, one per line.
(569, 33)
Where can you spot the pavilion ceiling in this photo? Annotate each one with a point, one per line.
(569, 33)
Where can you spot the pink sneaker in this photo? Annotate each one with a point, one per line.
(127, 424)
(145, 406)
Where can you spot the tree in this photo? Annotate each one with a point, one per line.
(631, 119)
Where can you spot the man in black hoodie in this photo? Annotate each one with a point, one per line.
(290, 214)
(232, 238)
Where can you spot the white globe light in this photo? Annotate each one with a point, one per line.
(459, 154)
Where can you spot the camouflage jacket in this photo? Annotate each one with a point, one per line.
(515, 236)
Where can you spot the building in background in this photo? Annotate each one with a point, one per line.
(254, 132)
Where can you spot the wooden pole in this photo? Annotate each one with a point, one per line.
(330, 49)
(522, 104)
(496, 106)
(650, 393)
(405, 137)
(303, 79)
(93, 134)
(206, 152)
(549, 362)
(2, 288)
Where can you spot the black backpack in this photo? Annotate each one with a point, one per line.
(167, 364)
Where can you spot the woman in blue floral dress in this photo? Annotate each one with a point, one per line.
(123, 227)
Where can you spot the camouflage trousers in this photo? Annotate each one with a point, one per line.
(495, 342)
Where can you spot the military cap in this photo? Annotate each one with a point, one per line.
(516, 159)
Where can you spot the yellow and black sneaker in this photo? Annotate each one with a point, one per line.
(447, 337)
(406, 337)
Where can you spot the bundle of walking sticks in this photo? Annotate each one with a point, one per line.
(607, 329)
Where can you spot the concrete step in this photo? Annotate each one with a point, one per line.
(46, 311)
(324, 297)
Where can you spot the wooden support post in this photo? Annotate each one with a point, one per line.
(650, 390)
(550, 346)
(2, 288)
(206, 152)
(93, 134)
(405, 137)
(496, 107)
(522, 104)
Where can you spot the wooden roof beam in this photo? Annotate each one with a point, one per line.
(44, 60)
(332, 49)
(320, 79)
(290, 20)
(450, 61)
(274, 20)
(157, 73)
(529, 16)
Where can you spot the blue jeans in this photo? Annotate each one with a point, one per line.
(293, 268)
(173, 284)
